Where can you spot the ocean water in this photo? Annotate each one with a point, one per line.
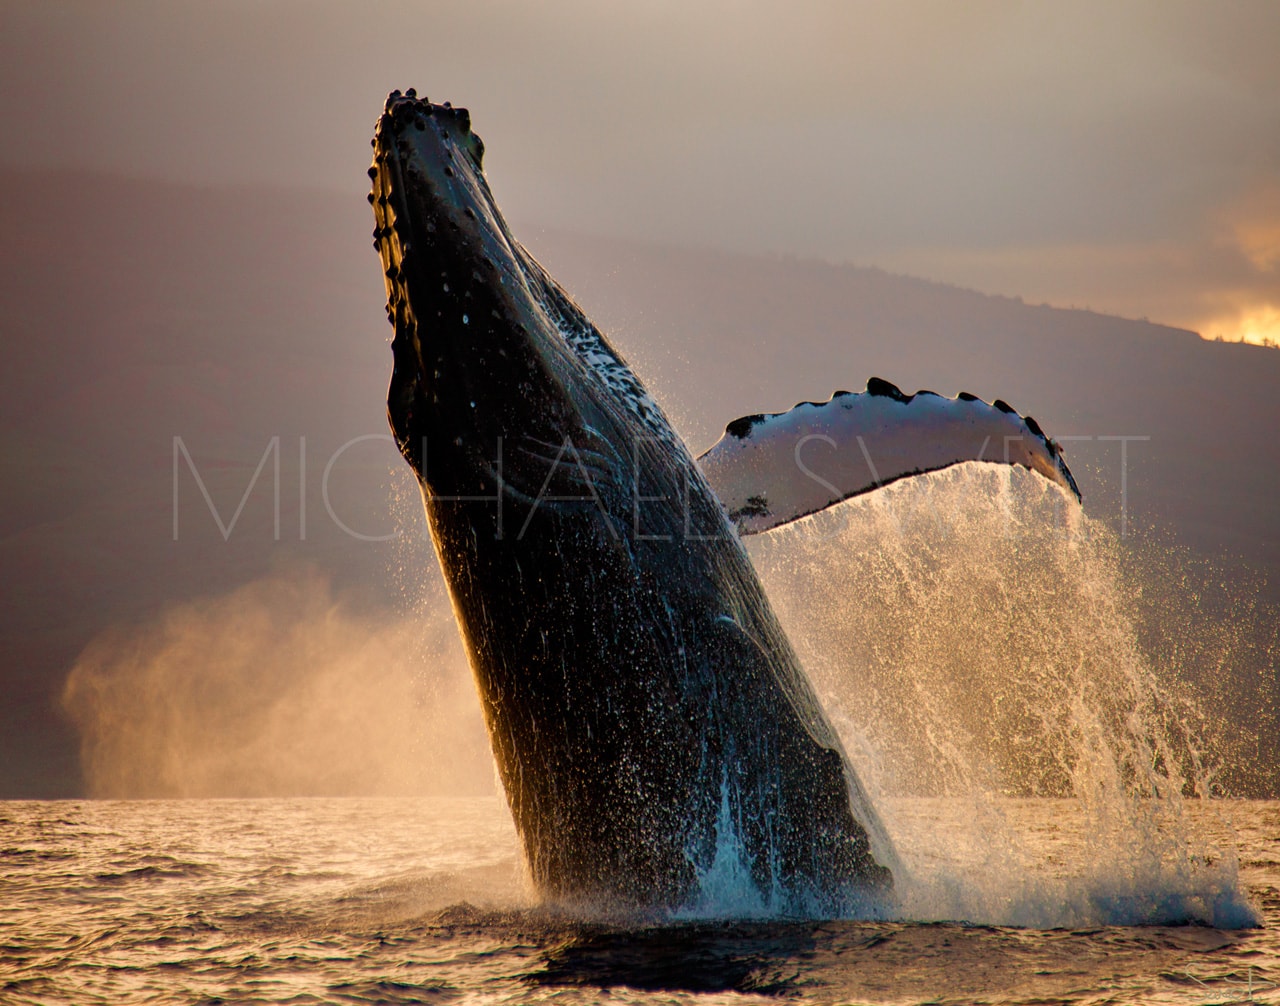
(423, 901)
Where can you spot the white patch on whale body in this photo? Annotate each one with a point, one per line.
(612, 371)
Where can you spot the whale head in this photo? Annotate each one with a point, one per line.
(430, 187)
(477, 356)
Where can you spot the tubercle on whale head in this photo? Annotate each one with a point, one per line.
(471, 343)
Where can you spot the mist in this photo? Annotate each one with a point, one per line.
(971, 631)
(279, 688)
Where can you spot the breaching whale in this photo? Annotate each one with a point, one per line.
(650, 722)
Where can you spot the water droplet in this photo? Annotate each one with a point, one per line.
(466, 321)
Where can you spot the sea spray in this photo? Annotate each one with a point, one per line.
(973, 628)
(725, 887)
(281, 687)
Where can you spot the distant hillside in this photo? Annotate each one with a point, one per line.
(135, 312)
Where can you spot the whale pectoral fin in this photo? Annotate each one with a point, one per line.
(772, 469)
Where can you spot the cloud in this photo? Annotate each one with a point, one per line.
(278, 689)
(1245, 305)
(1256, 228)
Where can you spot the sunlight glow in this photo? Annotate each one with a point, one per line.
(1259, 325)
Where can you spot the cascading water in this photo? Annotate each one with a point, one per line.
(994, 659)
(973, 639)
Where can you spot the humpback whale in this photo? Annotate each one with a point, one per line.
(649, 719)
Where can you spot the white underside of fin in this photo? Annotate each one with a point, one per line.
(772, 469)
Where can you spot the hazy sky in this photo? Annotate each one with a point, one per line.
(1120, 156)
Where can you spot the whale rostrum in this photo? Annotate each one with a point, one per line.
(646, 712)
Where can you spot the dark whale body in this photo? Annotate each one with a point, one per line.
(648, 716)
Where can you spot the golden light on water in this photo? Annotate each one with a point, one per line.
(1259, 325)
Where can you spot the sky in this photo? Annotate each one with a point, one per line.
(1122, 157)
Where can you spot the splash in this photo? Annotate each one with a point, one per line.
(278, 688)
(974, 637)
(726, 889)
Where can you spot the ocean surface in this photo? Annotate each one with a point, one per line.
(422, 901)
